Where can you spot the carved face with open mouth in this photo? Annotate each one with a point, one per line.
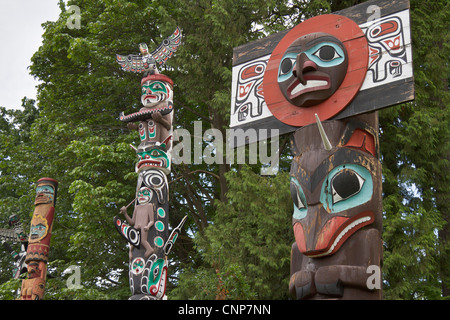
(335, 192)
(152, 158)
(321, 227)
(312, 69)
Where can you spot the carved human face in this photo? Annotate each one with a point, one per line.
(155, 92)
(312, 69)
(144, 196)
(45, 193)
(38, 229)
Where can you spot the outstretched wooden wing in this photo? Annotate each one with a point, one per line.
(133, 62)
(9, 235)
(168, 47)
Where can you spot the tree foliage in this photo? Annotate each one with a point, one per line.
(415, 148)
(236, 241)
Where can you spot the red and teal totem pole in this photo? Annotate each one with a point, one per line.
(147, 229)
(38, 245)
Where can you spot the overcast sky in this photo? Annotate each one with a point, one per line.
(20, 37)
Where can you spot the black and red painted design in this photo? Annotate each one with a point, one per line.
(377, 78)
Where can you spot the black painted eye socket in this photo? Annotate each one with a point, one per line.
(286, 65)
(345, 184)
(156, 181)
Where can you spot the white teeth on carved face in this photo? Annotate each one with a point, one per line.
(309, 84)
(339, 237)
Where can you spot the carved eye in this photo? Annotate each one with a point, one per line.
(156, 181)
(157, 86)
(286, 66)
(155, 272)
(299, 200)
(326, 53)
(345, 184)
(295, 193)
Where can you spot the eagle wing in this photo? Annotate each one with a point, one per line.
(168, 47)
(132, 62)
(8, 235)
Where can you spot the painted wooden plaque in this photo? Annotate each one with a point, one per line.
(338, 65)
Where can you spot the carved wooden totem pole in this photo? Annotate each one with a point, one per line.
(39, 240)
(339, 68)
(147, 231)
(336, 190)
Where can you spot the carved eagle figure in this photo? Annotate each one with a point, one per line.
(147, 62)
(16, 234)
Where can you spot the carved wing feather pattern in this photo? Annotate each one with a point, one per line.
(168, 47)
(142, 63)
(9, 235)
(132, 62)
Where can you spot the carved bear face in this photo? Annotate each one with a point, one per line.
(336, 192)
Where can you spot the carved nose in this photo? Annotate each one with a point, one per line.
(302, 66)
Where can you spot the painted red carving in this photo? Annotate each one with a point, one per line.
(354, 40)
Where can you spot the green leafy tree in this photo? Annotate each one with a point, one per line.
(18, 165)
(415, 150)
(249, 243)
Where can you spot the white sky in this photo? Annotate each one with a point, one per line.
(20, 37)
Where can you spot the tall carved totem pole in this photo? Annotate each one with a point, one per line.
(323, 80)
(147, 230)
(34, 248)
(39, 240)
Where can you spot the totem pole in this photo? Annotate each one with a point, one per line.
(39, 240)
(16, 235)
(323, 80)
(336, 190)
(147, 231)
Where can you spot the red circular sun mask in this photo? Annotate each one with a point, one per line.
(318, 67)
